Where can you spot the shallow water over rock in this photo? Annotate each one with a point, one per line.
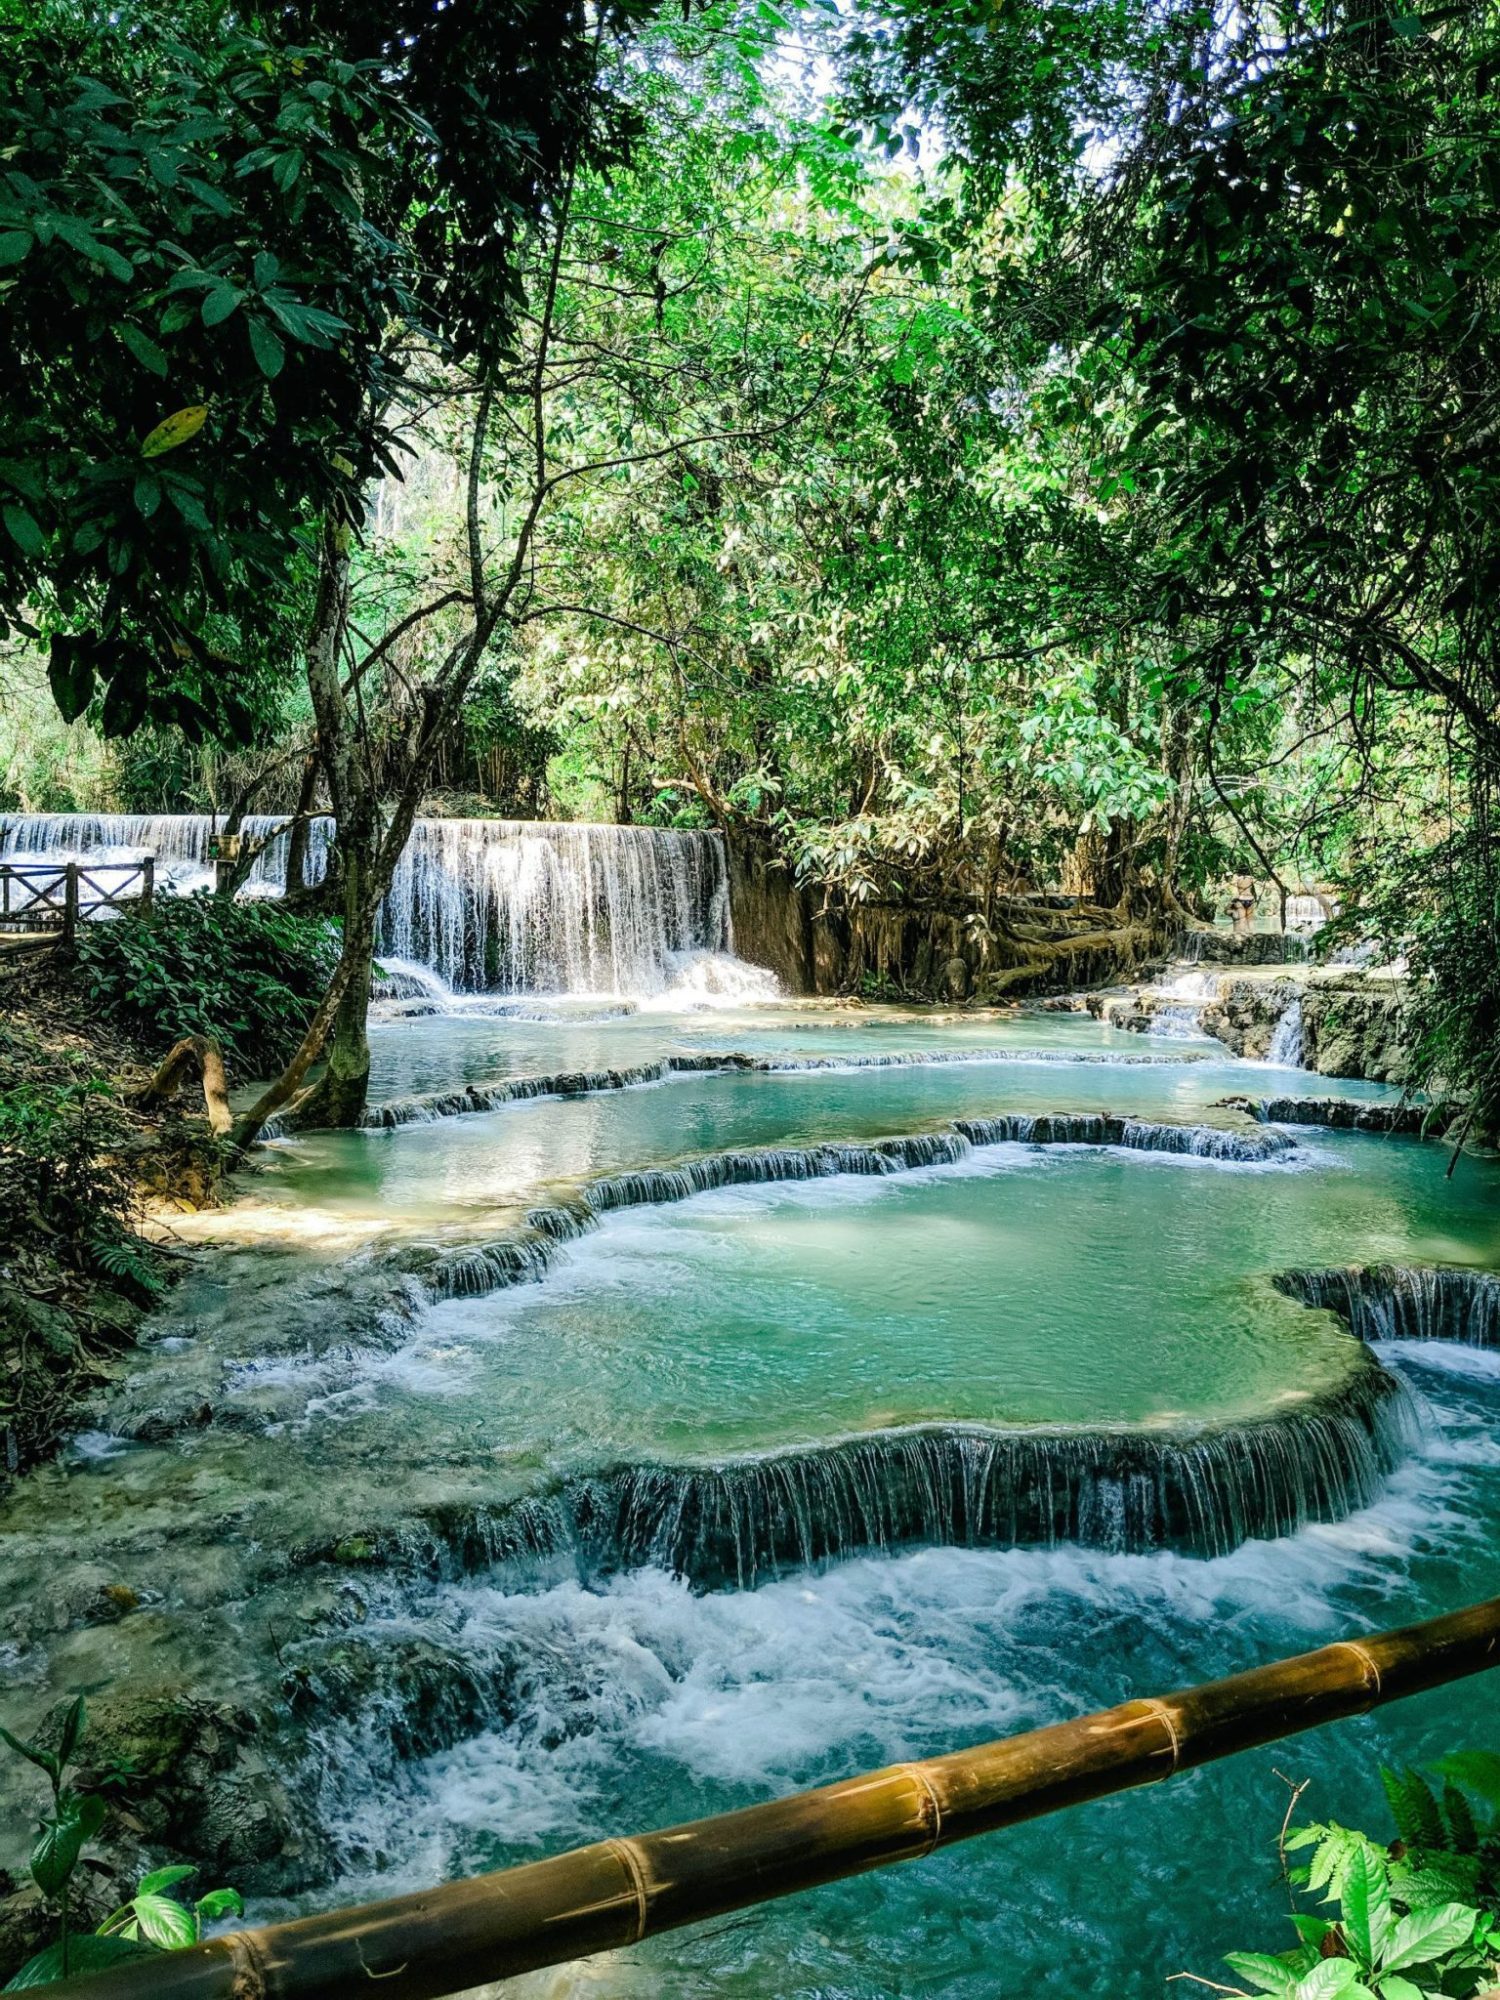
(551, 1463)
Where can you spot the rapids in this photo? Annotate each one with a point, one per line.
(663, 1405)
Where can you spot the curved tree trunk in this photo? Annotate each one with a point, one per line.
(193, 1053)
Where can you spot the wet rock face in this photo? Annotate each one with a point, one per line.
(1245, 1013)
(1201, 947)
(189, 1778)
(1348, 1028)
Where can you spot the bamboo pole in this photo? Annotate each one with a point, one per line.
(463, 1934)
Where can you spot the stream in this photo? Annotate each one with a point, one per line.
(785, 1389)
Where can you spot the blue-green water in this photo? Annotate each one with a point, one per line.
(1053, 1288)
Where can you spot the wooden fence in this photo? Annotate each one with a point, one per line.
(446, 1940)
(49, 896)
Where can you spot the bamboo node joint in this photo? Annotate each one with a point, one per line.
(1367, 1666)
(934, 1810)
(629, 1859)
(1168, 1722)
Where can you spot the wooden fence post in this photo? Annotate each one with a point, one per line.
(148, 880)
(70, 901)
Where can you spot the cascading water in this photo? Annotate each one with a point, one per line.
(735, 1523)
(1405, 1302)
(503, 906)
(1285, 1051)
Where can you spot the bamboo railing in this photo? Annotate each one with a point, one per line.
(464, 1934)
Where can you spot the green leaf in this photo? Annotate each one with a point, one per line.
(74, 1724)
(147, 495)
(144, 349)
(1332, 1976)
(86, 1953)
(124, 706)
(1265, 1974)
(1398, 1988)
(220, 1903)
(22, 527)
(174, 430)
(1366, 1904)
(268, 349)
(164, 1878)
(218, 305)
(163, 1921)
(33, 1752)
(1476, 1770)
(62, 1840)
(14, 244)
(1429, 1934)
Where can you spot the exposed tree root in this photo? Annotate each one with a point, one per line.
(194, 1054)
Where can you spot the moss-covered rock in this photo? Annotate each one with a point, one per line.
(191, 1779)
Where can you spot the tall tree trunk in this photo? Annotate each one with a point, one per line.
(339, 1096)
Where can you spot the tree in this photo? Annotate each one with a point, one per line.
(218, 228)
(1268, 282)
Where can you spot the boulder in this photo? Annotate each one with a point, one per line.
(190, 1778)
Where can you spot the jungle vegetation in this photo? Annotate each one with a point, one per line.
(956, 451)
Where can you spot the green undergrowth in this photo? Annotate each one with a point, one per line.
(74, 1274)
(248, 974)
(1411, 1918)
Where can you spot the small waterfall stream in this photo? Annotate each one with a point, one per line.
(505, 906)
(1285, 1051)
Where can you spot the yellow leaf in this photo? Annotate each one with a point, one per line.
(174, 430)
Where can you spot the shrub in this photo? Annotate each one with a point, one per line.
(64, 1188)
(1410, 1920)
(249, 974)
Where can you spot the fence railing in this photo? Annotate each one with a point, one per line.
(464, 1934)
(52, 895)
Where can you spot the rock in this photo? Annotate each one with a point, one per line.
(190, 1777)
(114, 1314)
(955, 982)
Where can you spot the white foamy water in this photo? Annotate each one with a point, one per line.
(491, 906)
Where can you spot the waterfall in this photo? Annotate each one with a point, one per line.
(506, 906)
(1404, 1302)
(737, 1523)
(1286, 1042)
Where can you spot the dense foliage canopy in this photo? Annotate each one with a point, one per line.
(958, 451)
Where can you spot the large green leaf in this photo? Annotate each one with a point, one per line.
(1264, 1973)
(1430, 1934)
(32, 1752)
(23, 529)
(163, 1921)
(74, 1724)
(144, 348)
(71, 673)
(165, 1878)
(86, 1953)
(1366, 1904)
(220, 1903)
(62, 1840)
(268, 348)
(1477, 1771)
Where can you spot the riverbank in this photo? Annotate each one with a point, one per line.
(87, 1180)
